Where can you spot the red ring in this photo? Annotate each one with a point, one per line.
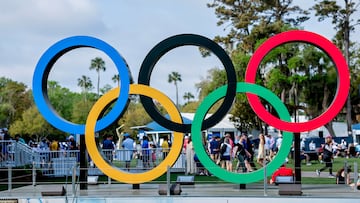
(318, 41)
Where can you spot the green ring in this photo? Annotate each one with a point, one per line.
(240, 178)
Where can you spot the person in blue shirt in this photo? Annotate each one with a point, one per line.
(145, 152)
(128, 145)
(108, 147)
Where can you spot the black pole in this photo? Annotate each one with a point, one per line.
(83, 164)
(297, 158)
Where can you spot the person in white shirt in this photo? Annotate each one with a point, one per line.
(312, 146)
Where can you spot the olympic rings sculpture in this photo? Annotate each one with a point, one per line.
(175, 123)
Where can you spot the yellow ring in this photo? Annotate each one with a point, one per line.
(109, 170)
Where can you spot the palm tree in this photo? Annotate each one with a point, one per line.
(85, 83)
(187, 96)
(175, 77)
(116, 79)
(98, 64)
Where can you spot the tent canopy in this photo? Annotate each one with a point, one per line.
(356, 126)
(154, 126)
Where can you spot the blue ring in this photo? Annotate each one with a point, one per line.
(42, 71)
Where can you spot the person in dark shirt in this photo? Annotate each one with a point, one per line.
(72, 143)
(214, 147)
(327, 157)
(108, 147)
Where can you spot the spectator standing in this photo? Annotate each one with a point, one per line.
(250, 149)
(214, 146)
(128, 145)
(261, 149)
(145, 152)
(165, 147)
(278, 143)
(190, 162)
(6, 134)
(244, 143)
(54, 148)
(2, 149)
(108, 147)
(43, 145)
(153, 153)
(226, 155)
(72, 143)
(2, 134)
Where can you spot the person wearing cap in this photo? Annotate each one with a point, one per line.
(327, 157)
(128, 145)
(72, 143)
(6, 134)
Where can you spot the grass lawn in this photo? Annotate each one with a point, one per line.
(337, 164)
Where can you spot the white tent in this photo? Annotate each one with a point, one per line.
(224, 126)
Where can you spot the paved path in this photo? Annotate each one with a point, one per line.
(197, 190)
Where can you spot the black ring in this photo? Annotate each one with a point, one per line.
(181, 40)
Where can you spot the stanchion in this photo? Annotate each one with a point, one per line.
(265, 178)
(73, 180)
(346, 172)
(356, 175)
(168, 181)
(9, 178)
(33, 174)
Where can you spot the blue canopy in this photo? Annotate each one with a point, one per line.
(356, 126)
(154, 126)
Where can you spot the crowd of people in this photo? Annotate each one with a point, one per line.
(234, 153)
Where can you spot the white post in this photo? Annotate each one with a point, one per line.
(74, 180)
(9, 178)
(265, 177)
(168, 181)
(356, 175)
(33, 174)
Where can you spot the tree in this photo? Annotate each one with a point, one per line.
(105, 89)
(85, 83)
(249, 24)
(61, 99)
(341, 18)
(116, 79)
(98, 64)
(32, 123)
(135, 115)
(175, 77)
(81, 110)
(187, 96)
(250, 21)
(14, 100)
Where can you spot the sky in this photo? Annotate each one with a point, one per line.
(133, 28)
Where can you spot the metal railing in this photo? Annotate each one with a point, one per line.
(14, 154)
(58, 163)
